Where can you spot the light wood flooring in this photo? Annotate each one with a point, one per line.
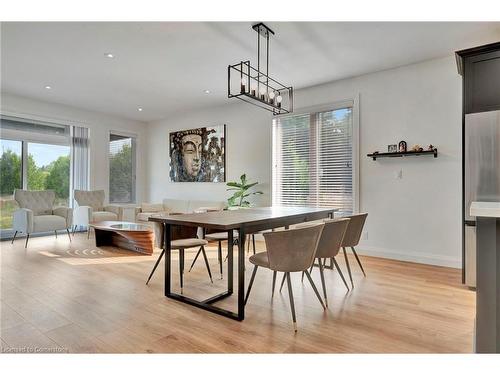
(76, 298)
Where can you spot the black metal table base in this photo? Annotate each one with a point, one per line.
(207, 304)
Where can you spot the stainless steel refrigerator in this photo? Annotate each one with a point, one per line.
(482, 176)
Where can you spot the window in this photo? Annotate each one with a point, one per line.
(313, 160)
(10, 179)
(36, 156)
(121, 169)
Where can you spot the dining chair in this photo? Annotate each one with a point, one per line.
(218, 237)
(329, 246)
(351, 239)
(289, 251)
(184, 238)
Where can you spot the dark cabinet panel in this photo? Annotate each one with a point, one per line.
(482, 82)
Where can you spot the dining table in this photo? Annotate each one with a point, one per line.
(243, 222)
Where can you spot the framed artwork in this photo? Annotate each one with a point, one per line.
(198, 155)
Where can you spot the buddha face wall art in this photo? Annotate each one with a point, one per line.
(198, 155)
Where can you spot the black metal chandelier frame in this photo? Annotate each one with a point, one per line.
(256, 87)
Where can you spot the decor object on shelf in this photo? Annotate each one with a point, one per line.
(376, 154)
(253, 86)
(36, 213)
(416, 148)
(242, 191)
(198, 155)
(402, 146)
(392, 148)
(430, 148)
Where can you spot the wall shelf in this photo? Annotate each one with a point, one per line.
(374, 155)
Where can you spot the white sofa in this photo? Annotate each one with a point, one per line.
(171, 206)
(37, 213)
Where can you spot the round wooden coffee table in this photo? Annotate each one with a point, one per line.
(130, 236)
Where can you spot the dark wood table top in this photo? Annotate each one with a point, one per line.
(233, 219)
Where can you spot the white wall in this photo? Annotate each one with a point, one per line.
(415, 218)
(99, 124)
(248, 150)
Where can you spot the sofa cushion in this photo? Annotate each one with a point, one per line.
(48, 223)
(103, 216)
(207, 205)
(151, 207)
(144, 216)
(176, 205)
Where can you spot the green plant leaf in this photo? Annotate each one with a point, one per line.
(246, 187)
(234, 184)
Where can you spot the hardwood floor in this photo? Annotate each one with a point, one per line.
(64, 297)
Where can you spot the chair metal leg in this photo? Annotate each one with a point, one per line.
(322, 274)
(253, 241)
(55, 233)
(251, 282)
(340, 273)
(348, 267)
(202, 248)
(315, 289)
(27, 238)
(13, 238)
(219, 252)
(156, 265)
(292, 305)
(359, 262)
(274, 282)
(194, 260)
(69, 234)
(88, 233)
(181, 269)
(283, 281)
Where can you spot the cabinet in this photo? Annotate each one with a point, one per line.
(480, 68)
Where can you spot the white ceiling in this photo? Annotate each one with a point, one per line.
(165, 67)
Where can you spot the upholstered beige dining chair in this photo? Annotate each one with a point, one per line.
(328, 247)
(184, 238)
(218, 237)
(351, 239)
(289, 251)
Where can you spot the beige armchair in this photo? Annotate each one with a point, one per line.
(37, 214)
(91, 208)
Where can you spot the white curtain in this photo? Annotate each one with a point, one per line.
(80, 158)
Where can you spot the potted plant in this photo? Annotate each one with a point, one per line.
(241, 193)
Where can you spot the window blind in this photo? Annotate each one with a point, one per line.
(121, 169)
(312, 160)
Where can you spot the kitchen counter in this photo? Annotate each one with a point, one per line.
(485, 209)
(487, 335)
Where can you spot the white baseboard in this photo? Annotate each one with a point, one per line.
(410, 256)
(407, 255)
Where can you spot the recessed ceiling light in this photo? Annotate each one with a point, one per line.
(207, 91)
(48, 87)
(139, 109)
(109, 55)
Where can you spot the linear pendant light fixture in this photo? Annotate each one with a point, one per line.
(253, 86)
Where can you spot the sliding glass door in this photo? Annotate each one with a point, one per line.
(49, 168)
(35, 156)
(10, 179)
